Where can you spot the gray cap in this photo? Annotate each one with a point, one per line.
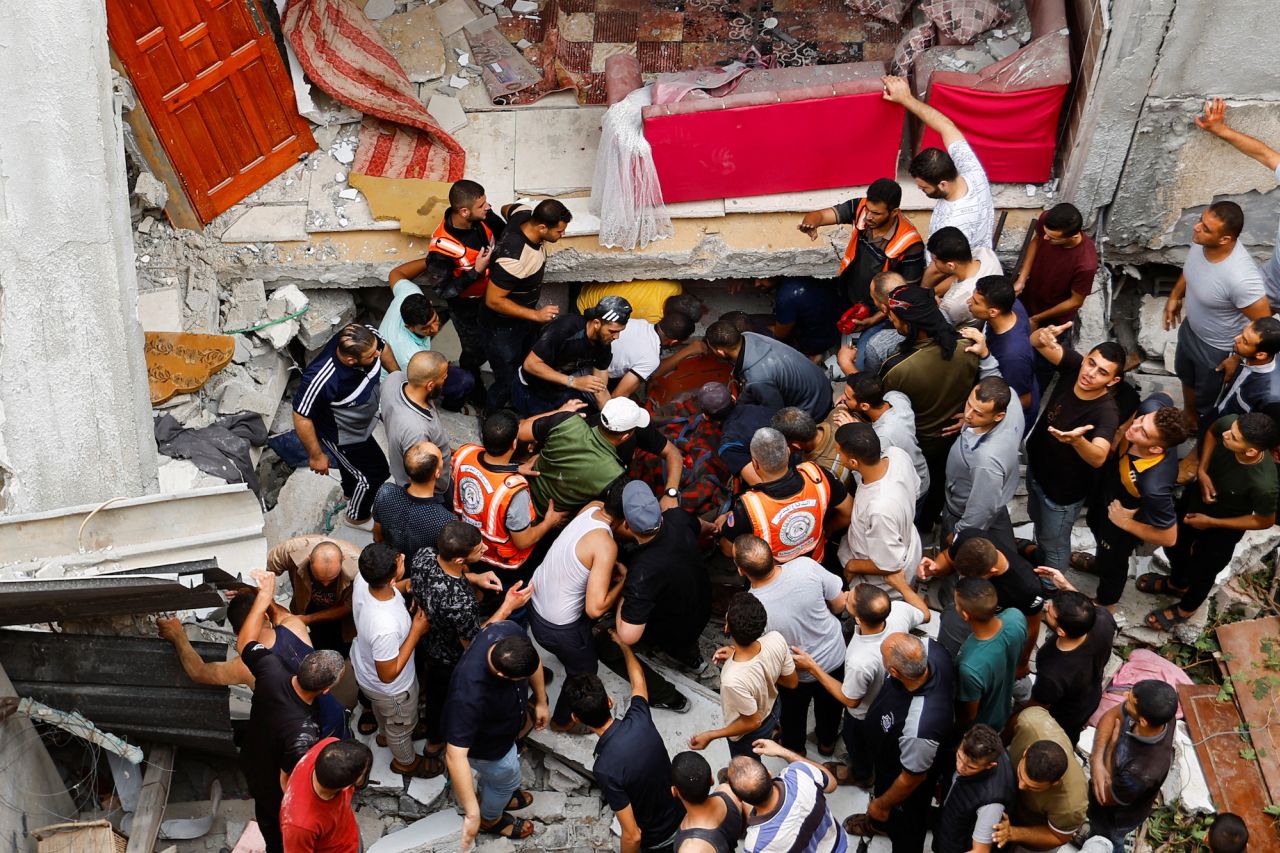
(611, 309)
(641, 508)
(714, 398)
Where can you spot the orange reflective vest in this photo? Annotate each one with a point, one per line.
(792, 526)
(904, 236)
(481, 497)
(464, 257)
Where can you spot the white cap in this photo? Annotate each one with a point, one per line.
(621, 414)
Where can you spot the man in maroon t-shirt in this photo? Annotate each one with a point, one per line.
(316, 815)
(1057, 274)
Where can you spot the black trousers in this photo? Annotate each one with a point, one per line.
(506, 346)
(661, 691)
(1196, 560)
(573, 645)
(909, 821)
(363, 469)
(1115, 547)
(465, 314)
(264, 786)
(795, 713)
(935, 452)
(858, 743)
(433, 683)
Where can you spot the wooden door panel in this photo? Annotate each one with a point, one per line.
(216, 91)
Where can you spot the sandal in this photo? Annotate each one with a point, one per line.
(1155, 583)
(1165, 620)
(1082, 561)
(423, 767)
(368, 723)
(509, 827)
(519, 800)
(860, 824)
(826, 750)
(419, 733)
(844, 776)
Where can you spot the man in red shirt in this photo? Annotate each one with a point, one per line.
(316, 815)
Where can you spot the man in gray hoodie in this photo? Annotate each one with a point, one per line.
(779, 375)
(982, 467)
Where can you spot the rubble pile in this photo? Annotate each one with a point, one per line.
(988, 48)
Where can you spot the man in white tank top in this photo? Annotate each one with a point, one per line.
(578, 582)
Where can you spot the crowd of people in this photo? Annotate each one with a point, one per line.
(569, 530)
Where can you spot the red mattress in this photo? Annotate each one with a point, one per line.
(1013, 133)
(790, 146)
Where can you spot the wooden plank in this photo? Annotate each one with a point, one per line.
(1245, 650)
(145, 828)
(1235, 782)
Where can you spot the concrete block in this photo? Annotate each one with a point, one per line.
(574, 133)
(246, 300)
(160, 310)
(452, 15)
(438, 829)
(302, 507)
(329, 310)
(257, 386)
(149, 192)
(284, 302)
(376, 10)
(276, 223)
(447, 112)
(182, 475)
(414, 40)
(547, 807)
(1152, 336)
(428, 791)
(200, 303)
(327, 211)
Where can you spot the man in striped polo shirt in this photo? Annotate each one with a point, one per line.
(789, 811)
(334, 411)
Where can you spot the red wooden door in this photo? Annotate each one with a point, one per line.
(216, 91)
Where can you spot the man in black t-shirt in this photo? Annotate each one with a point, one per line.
(1070, 665)
(570, 359)
(510, 316)
(1071, 440)
(632, 767)
(992, 555)
(666, 598)
(1135, 493)
(283, 724)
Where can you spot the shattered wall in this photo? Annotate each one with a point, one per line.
(75, 421)
(1178, 54)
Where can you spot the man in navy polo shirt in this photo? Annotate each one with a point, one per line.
(334, 411)
(487, 711)
(632, 766)
(911, 721)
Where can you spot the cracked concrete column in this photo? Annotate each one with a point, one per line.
(75, 417)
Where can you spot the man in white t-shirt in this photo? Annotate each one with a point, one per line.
(383, 652)
(1223, 290)
(953, 177)
(876, 617)
(637, 351)
(882, 539)
(1214, 121)
(961, 266)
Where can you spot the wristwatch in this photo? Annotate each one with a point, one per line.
(672, 493)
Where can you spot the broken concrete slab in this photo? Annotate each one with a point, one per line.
(271, 223)
(304, 504)
(376, 10)
(1153, 338)
(489, 139)
(200, 302)
(414, 40)
(414, 205)
(438, 829)
(160, 310)
(584, 221)
(447, 112)
(246, 301)
(327, 211)
(149, 192)
(182, 475)
(257, 386)
(574, 136)
(453, 15)
(328, 311)
(285, 302)
(289, 187)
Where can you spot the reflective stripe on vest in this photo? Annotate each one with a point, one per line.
(464, 257)
(904, 237)
(481, 498)
(792, 526)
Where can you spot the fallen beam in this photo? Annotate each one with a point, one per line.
(145, 828)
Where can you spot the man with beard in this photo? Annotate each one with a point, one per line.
(410, 416)
(570, 360)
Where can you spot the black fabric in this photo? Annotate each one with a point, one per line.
(967, 794)
(1065, 477)
(220, 449)
(649, 439)
(573, 646)
(522, 291)
(739, 521)
(281, 727)
(1069, 684)
(1018, 587)
(741, 424)
(633, 769)
(485, 713)
(409, 523)
(723, 838)
(660, 690)
(827, 711)
(565, 347)
(1138, 769)
(667, 589)
(440, 267)
(1197, 558)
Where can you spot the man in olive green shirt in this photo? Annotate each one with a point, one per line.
(1053, 796)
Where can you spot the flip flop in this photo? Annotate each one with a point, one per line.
(368, 723)
(509, 826)
(1165, 620)
(1155, 583)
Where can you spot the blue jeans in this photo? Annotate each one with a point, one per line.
(742, 746)
(497, 780)
(1053, 523)
(865, 338)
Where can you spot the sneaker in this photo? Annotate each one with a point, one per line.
(679, 705)
(366, 525)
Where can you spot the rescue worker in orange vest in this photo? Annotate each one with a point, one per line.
(882, 241)
(796, 509)
(490, 492)
(456, 266)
